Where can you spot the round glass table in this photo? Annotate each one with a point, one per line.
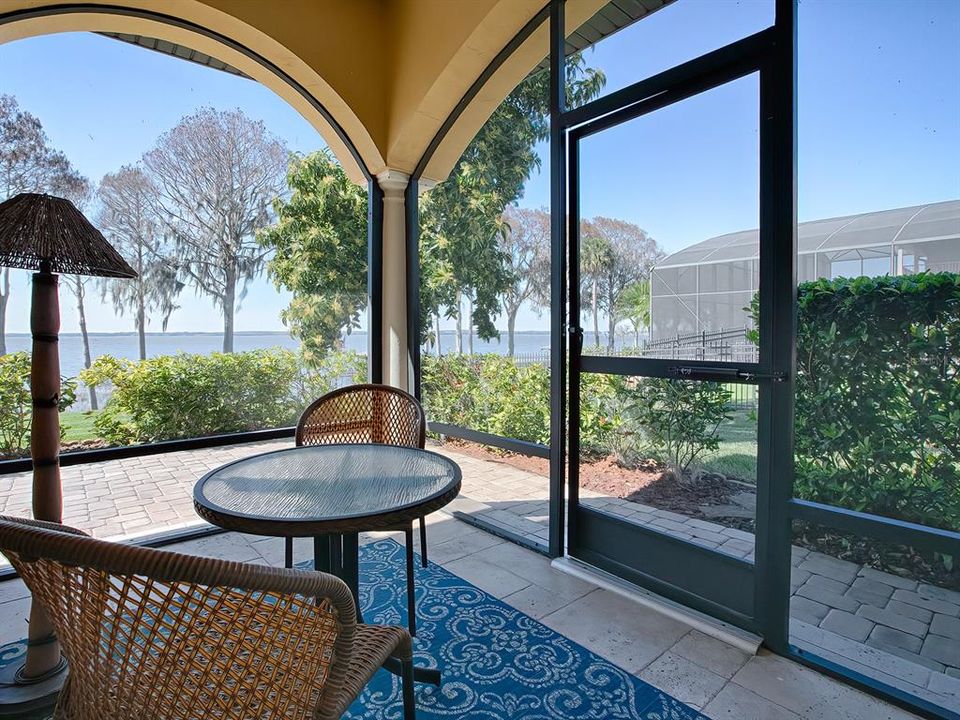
(330, 493)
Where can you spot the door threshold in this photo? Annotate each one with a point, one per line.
(725, 632)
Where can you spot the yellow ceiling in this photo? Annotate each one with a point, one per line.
(388, 72)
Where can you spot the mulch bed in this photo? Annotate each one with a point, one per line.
(64, 448)
(648, 483)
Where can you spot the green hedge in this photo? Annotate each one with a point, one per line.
(492, 394)
(180, 396)
(878, 396)
(488, 393)
(16, 407)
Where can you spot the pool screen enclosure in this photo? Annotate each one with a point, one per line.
(705, 287)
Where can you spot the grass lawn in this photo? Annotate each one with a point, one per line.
(78, 426)
(736, 457)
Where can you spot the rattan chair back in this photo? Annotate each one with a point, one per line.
(156, 634)
(363, 414)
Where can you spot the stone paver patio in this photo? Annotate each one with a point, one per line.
(898, 630)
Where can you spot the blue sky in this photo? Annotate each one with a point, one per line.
(879, 123)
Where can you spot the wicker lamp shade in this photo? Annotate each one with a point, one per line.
(42, 232)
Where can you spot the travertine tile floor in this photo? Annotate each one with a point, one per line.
(704, 672)
(898, 630)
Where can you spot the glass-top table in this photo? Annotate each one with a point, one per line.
(330, 493)
(317, 490)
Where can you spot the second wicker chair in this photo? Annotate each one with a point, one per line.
(368, 413)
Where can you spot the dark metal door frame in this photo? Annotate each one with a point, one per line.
(734, 590)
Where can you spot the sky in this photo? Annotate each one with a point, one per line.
(878, 125)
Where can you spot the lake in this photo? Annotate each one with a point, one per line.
(124, 345)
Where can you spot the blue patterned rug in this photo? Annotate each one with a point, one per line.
(498, 664)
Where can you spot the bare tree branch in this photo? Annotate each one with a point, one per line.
(217, 174)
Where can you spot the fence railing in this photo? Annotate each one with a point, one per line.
(725, 345)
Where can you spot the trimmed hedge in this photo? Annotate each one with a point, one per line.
(492, 394)
(181, 396)
(878, 396)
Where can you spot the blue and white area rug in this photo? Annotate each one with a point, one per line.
(497, 663)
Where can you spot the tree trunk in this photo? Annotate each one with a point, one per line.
(636, 335)
(437, 316)
(229, 302)
(4, 297)
(470, 325)
(612, 325)
(82, 316)
(141, 329)
(459, 339)
(511, 328)
(596, 320)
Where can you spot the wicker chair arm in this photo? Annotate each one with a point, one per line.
(47, 525)
(73, 547)
(374, 644)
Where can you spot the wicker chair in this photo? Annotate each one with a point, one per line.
(369, 414)
(156, 634)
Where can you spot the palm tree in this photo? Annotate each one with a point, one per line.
(634, 305)
(595, 257)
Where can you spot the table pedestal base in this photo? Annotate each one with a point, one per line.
(340, 555)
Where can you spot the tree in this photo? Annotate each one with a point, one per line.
(634, 305)
(28, 164)
(596, 257)
(461, 219)
(631, 256)
(77, 284)
(526, 245)
(320, 252)
(217, 173)
(460, 227)
(126, 217)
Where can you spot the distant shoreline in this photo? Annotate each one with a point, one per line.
(169, 334)
(281, 333)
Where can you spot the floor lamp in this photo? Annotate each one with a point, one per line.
(50, 236)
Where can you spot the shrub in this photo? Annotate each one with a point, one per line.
(680, 419)
(179, 396)
(16, 407)
(878, 396)
(602, 430)
(489, 393)
(518, 399)
(318, 377)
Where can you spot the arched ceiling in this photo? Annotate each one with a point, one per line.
(377, 78)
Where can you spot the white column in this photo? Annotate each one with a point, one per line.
(396, 369)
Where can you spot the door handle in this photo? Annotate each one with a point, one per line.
(700, 372)
(575, 334)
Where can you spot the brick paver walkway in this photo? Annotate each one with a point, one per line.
(133, 496)
(903, 632)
